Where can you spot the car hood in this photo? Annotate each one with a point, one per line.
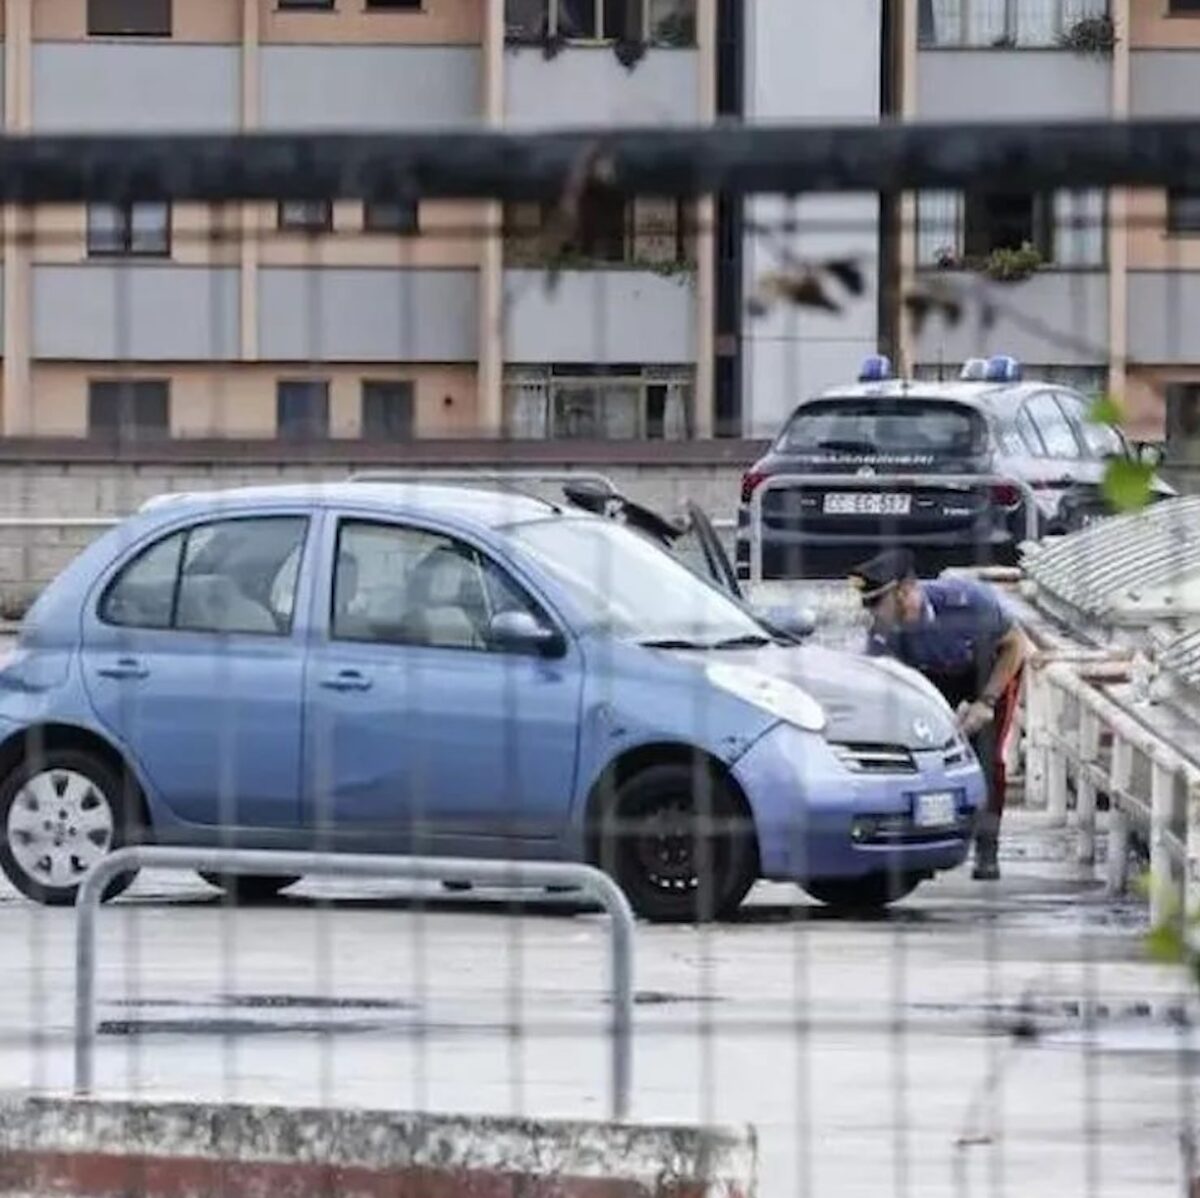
(867, 700)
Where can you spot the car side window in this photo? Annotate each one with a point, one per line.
(1031, 439)
(1102, 440)
(1055, 429)
(408, 586)
(226, 576)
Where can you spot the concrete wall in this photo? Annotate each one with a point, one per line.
(93, 1149)
(1054, 317)
(148, 312)
(366, 315)
(135, 87)
(586, 85)
(599, 316)
(1164, 83)
(1004, 85)
(369, 87)
(1164, 309)
(802, 69)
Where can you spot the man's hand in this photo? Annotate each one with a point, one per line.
(974, 717)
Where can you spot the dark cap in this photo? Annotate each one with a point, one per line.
(883, 573)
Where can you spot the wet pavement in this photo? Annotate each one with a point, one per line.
(1007, 1039)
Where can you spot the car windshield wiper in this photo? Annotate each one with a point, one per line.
(672, 642)
(849, 446)
(752, 640)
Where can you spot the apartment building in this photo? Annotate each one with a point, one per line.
(1106, 290)
(314, 320)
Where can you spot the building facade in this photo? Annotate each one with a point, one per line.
(1105, 280)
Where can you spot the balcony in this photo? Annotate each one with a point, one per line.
(614, 314)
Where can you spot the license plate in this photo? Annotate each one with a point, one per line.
(936, 810)
(867, 503)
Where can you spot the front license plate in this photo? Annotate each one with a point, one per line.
(938, 810)
(867, 503)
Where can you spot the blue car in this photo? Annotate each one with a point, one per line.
(448, 671)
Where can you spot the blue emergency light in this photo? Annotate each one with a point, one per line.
(974, 370)
(875, 369)
(1003, 369)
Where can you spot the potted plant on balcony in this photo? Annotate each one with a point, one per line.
(1090, 35)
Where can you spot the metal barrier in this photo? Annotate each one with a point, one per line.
(484, 476)
(777, 482)
(1059, 753)
(424, 869)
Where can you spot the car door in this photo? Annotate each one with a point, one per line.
(419, 730)
(193, 657)
(1101, 444)
(1060, 471)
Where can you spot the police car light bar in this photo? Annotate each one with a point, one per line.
(974, 370)
(875, 369)
(1003, 369)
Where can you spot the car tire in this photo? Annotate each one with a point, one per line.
(61, 812)
(651, 844)
(871, 893)
(247, 889)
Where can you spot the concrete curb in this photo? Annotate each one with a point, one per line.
(105, 1148)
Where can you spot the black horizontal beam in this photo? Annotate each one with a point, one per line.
(514, 166)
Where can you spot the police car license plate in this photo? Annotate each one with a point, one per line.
(938, 810)
(867, 503)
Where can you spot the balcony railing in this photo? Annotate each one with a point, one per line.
(1000, 24)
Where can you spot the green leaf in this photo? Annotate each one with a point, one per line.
(1165, 943)
(1127, 484)
(1106, 410)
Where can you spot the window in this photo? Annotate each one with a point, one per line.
(406, 586)
(1183, 207)
(387, 410)
(392, 216)
(326, 5)
(1183, 411)
(129, 409)
(1001, 24)
(129, 18)
(914, 427)
(1053, 426)
(228, 576)
(1184, 7)
(302, 410)
(1101, 440)
(624, 403)
(306, 216)
(1067, 228)
(657, 22)
(394, 5)
(646, 232)
(128, 230)
(1028, 432)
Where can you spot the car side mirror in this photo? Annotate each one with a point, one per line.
(519, 632)
(796, 622)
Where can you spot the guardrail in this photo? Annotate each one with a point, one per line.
(777, 482)
(424, 869)
(1065, 745)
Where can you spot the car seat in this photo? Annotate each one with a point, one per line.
(446, 604)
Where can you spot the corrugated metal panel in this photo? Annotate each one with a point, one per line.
(1129, 570)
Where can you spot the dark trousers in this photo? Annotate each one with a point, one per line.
(989, 744)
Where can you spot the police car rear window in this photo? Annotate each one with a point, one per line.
(866, 426)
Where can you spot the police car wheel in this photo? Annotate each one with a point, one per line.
(871, 893)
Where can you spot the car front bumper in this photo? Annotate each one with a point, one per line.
(816, 818)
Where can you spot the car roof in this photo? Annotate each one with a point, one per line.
(989, 397)
(479, 506)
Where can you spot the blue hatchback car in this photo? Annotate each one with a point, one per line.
(447, 671)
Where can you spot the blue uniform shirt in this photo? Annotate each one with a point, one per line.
(956, 641)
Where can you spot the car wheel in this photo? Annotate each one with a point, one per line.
(61, 813)
(247, 889)
(671, 869)
(867, 894)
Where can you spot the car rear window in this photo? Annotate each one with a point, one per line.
(883, 427)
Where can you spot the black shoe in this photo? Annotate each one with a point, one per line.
(987, 869)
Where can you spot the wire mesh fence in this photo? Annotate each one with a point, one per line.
(490, 590)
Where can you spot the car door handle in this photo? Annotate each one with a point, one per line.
(125, 667)
(347, 680)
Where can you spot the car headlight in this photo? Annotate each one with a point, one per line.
(784, 700)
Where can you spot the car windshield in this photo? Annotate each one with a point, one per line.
(887, 427)
(625, 584)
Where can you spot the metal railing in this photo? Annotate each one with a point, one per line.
(778, 482)
(1064, 745)
(591, 881)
